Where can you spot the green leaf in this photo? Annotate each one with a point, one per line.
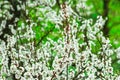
(4, 74)
(85, 73)
(20, 23)
(71, 68)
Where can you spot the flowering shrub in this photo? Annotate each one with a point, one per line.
(54, 44)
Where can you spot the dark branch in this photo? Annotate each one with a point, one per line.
(44, 36)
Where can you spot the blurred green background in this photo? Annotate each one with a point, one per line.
(111, 10)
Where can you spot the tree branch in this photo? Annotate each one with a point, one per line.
(44, 36)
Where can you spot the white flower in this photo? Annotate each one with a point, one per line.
(17, 76)
(13, 68)
(21, 69)
(118, 78)
(22, 78)
(18, 7)
(27, 75)
(110, 70)
(118, 52)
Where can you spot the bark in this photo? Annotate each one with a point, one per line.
(105, 15)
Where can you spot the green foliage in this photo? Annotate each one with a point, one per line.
(4, 75)
(72, 69)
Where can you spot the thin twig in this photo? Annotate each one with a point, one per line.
(43, 37)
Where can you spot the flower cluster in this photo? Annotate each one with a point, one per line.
(81, 52)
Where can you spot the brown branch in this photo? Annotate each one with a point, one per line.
(86, 38)
(75, 77)
(105, 14)
(53, 76)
